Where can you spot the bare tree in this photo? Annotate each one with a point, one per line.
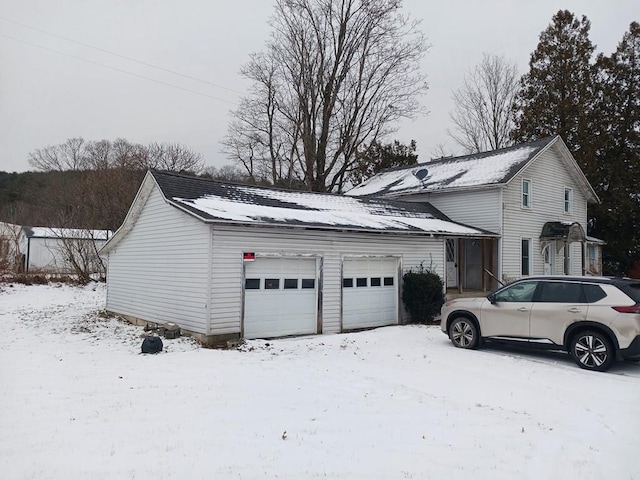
(173, 157)
(336, 76)
(10, 258)
(70, 155)
(79, 252)
(483, 114)
(78, 154)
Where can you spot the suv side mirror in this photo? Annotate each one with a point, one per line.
(492, 299)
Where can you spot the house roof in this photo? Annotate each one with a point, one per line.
(214, 201)
(486, 169)
(67, 233)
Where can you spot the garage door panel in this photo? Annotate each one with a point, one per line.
(369, 293)
(280, 297)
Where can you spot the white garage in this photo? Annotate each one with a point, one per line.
(227, 261)
(280, 297)
(369, 292)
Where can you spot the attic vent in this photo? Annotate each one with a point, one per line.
(421, 174)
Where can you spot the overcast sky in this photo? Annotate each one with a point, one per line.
(52, 89)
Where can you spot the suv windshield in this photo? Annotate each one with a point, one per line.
(518, 292)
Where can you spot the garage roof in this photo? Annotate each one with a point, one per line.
(214, 201)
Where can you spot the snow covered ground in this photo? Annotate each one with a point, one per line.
(78, 401)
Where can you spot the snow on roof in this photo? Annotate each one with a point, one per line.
(215, 201)
(487, 168)
(76, 233)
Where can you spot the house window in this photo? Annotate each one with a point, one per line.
(525, 256)
(593, 259)
(568, 200)
(526, 193)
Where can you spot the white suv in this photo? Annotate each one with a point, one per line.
(595, 319)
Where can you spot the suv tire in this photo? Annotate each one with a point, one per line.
(592, 350)
(463, 333)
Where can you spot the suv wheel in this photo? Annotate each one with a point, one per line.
(463, 333)
(592, 350)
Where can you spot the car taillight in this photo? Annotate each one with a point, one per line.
(629, 309)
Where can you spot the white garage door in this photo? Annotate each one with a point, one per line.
(280, 297)
(369, 292)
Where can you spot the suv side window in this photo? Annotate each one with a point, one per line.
(633, 290)
(593, 293)
(518, 292)
(561, 292)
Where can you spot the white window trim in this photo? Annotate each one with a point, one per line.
(530, 252)
(529, 193)
(568, 210)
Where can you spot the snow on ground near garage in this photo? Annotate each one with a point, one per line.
(79, 401)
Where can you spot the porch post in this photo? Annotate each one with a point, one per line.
(484, 275)
(460, 269)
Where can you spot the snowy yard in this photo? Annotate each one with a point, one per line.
(78, 401)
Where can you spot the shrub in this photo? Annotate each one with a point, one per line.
(422, 294)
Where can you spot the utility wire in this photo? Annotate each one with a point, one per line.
(118, 69)
(121, 56)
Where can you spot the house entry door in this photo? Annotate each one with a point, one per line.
(452, 262)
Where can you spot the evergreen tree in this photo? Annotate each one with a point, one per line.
(556, 95)
(377, 157)
(617, 168)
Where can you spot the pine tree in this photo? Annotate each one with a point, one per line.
(377, 157)
(556, 95)
(617, 168)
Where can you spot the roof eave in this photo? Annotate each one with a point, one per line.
(146, 187)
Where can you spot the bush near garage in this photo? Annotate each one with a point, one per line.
(422, 294)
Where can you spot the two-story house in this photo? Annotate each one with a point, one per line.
(533, 195)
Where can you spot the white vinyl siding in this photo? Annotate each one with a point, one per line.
(229, 242)
(479, 208)
(159, 270)
(550, 177)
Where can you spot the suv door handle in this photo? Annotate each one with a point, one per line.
(574, 310)
(523, 309)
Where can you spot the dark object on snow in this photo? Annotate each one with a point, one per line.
(170, 331)
(152, 345)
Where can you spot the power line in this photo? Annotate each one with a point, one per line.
(118, 69)
(115, 54)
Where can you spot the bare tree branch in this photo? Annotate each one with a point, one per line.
(336, 76)
(483, 114)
